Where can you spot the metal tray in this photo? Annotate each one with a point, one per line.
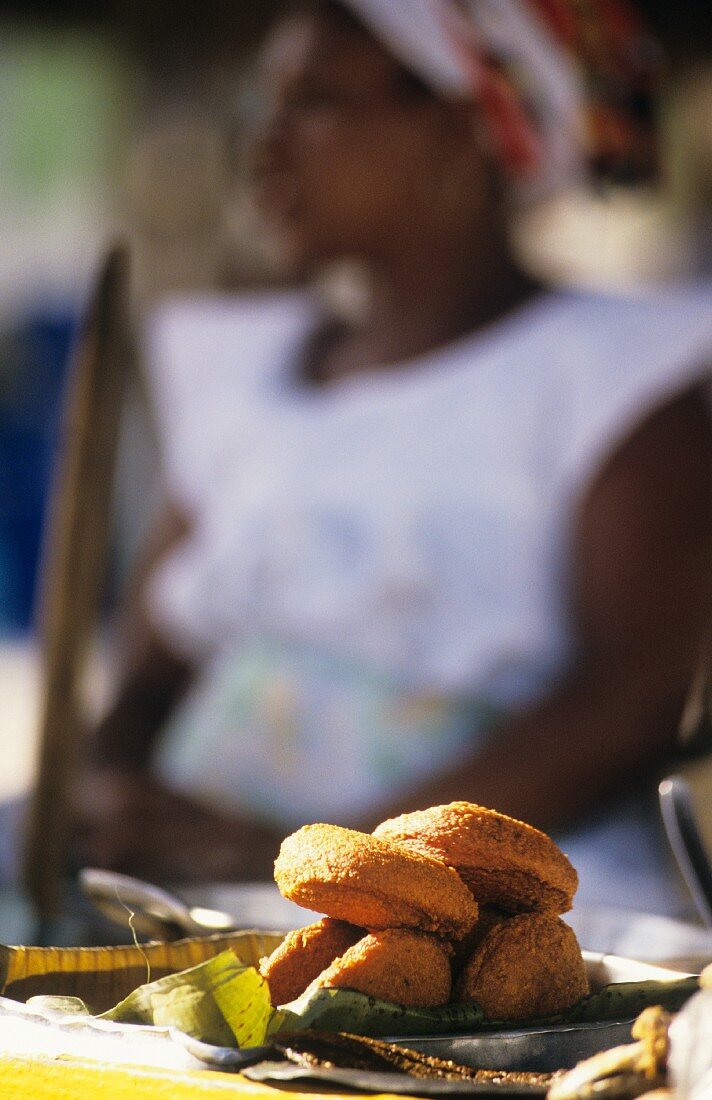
(368, 1081)
(536, 1049)
(544, 1049)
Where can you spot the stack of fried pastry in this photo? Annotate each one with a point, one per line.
(455, 902)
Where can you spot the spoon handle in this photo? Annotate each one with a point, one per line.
(682, 830)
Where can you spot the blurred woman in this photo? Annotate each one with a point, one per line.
(459, 549)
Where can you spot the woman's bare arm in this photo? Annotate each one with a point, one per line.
(641, 596)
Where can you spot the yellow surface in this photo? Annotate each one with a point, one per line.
(102, 974)
(68, 1079)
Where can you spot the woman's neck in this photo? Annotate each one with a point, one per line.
(421, 302)
(414, 311)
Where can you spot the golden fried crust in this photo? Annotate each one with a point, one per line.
(464, 949)
(527, 966)
(303, 954)
(371, 883)
(398, 965)
(503, 861)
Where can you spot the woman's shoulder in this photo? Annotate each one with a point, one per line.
(572, 342)
(598, 354)
(618, 357)
(229, 309)
(219, 324)
(200, 351)
(203, 360)
(671, 323)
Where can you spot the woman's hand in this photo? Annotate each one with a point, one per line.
(127, 821)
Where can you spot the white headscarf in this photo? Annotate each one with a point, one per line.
(529, 84)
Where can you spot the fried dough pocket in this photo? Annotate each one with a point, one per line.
(303, 954)
(526, 966)
(398, 965)
(503, 861)
(372, 883)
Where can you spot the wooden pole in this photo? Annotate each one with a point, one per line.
(73, 571)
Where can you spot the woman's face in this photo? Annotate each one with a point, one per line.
(351, 155)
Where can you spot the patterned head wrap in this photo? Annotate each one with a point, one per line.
(563, 86)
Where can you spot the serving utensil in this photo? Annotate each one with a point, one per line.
(151, 910)
(694, 738)
(680, 821)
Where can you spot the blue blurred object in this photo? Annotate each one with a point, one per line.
(33, 360)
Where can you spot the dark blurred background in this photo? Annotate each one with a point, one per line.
(127, 117)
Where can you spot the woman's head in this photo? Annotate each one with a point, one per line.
(390, 118)
(356, 153)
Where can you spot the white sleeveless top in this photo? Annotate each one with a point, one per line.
(378, 569)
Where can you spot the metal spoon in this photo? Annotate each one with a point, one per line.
(683, 832)
(155, 912)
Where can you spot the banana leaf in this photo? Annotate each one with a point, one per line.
(346, 1010)
(358, 1014)
(103, 976)
(220, 1001)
